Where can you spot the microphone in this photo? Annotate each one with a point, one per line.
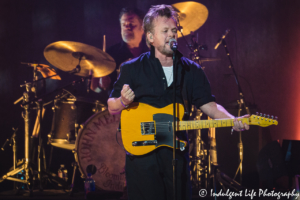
(222, 38)
(173, 44)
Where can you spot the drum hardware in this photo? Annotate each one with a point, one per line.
(74, 165)
(204, 160)
(30, 101)
(200, 154)
(12, 143)
(28, 96)
(90, 59)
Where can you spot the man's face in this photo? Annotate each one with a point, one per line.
(131, 28)
(164, 29)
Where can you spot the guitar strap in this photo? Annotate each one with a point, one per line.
(184, 94)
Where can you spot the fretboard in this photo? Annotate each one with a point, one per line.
(201, 124)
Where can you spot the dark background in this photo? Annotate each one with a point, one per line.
(264, 43)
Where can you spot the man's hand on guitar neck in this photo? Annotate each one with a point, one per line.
(238, 125)
(116, 105)
(217, 111)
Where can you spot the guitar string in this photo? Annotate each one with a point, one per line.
(164, 123)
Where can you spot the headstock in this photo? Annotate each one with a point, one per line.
(263, 120)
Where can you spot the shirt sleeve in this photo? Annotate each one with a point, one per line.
(124, 78)
(201, 88)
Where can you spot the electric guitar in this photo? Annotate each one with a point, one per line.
(145, 128)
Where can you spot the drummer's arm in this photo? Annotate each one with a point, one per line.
(98, 83)
(116, 105)
(95, 85)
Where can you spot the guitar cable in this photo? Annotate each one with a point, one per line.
(118, 130)
(127, 153)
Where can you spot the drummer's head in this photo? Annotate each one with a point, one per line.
(131, 20)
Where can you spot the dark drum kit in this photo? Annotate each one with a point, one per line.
(84, 126)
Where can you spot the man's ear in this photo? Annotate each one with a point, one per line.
(150, 36)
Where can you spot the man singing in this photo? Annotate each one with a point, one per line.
(149, 79)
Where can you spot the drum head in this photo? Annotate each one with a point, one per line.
(98, 152)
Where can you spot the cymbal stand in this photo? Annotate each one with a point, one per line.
(28, 95)
(241, 103)
(199, 154)
(39, 116)
(194, 47)
(13, 143)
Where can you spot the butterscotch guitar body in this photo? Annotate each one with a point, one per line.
(145, 128)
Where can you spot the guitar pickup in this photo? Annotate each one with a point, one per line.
(147, 128)
(144, 143)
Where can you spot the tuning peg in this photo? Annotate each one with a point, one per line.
(261, 114)
(272, 116)
(256, 113)
(268, 116)
(264, 115)
(276, 118)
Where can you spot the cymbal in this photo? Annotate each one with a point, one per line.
(192, 16)
(45, 70)
(66, 55)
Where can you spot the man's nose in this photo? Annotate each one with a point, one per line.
(127, 25)
(171, 34)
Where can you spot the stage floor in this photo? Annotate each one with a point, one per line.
(98, 195)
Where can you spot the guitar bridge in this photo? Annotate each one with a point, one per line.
(147, 128)
(144, 143)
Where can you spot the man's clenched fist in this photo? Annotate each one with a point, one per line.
(127, 95)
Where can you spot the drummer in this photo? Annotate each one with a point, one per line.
(132, 45)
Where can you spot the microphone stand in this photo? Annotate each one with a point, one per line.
(241, 103)
(174, 162)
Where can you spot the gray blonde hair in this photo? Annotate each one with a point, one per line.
(155, 12)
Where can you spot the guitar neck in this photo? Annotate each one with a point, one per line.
(201, 124)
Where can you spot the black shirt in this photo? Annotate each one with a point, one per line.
(146, 78)
(120, 53)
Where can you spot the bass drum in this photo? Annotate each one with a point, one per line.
(98, 152)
